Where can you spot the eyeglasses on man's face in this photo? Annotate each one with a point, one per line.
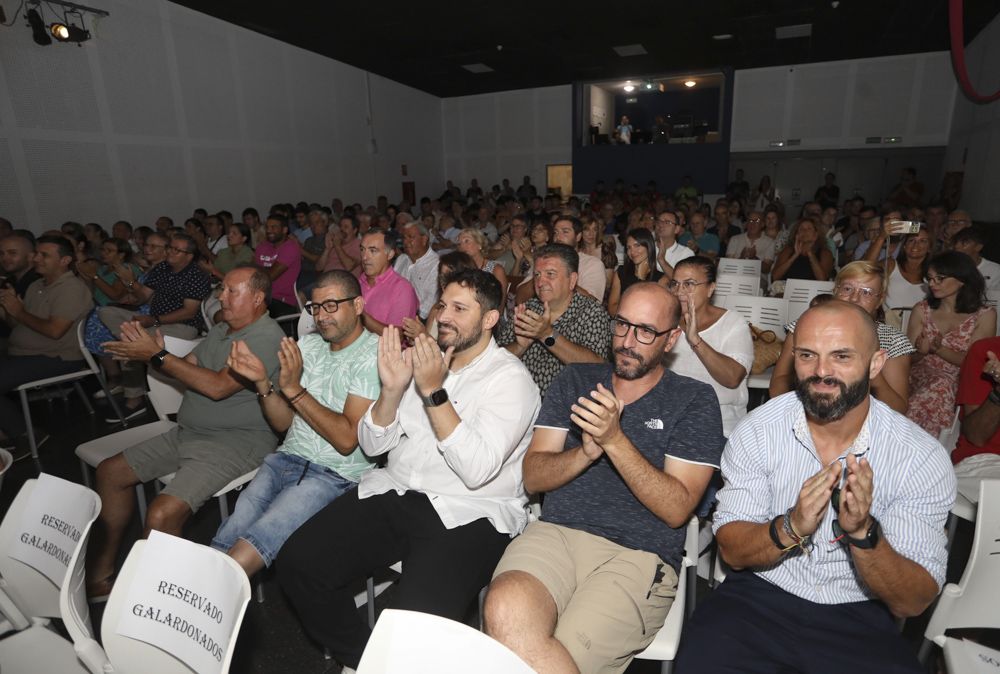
(643, 333)
(329, 306)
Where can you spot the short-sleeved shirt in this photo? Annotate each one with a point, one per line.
(228, 259)
(352, 248)
(585, 323)
(592, 276)
(330, 376)
(890, 340)
(67, 298)
(991, 273)
(314, 245)
(238, 418)
(390, 298)
(707, 242)
(171, 288)
(677, 419)
(973, 388)
(423, 276)
(289, 254)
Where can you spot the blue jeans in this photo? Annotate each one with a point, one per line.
(286, 492)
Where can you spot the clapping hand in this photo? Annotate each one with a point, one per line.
(290, 359)
(814, 499)
(532, 325)
(430, 364)
(991, 367)
(245, 363)
(691, 322)
(395, 366)
(599, 417)
(856, 497)
(135, 343)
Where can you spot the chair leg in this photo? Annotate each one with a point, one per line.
(140, 494)
(667, 667)
(258, 588)
(924, 654)
(26, 410)
(370, 587)
(111, 400)
(83, 397)
(223, 507)
(482, 600)
(85, 469)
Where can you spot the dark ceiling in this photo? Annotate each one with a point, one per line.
(531, 44)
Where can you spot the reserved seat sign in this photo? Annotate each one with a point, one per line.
(184, 599)
(52, 523)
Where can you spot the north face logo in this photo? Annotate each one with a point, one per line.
(655, 424)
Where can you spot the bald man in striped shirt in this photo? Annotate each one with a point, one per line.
(832, 516)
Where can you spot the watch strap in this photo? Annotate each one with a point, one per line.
(156, 360)
(871, 539)
(436, 398)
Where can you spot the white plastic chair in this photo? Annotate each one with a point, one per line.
(28, 598)
(799, 293)
(972, 603)
(131, 655)
(293, 317)
(74, 377)
(993, 299)
(666, 642)
(737, 284)
(767, 313)
(409, 641)
(735, 265)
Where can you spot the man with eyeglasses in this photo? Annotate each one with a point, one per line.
(326, 384)
(956, 222)
(174, 290)
(971, 241)
(220, 434)
(833, 515)
(623, 452)
(753, 244)
(558, 326)
(669, 251)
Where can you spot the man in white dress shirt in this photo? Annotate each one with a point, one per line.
(668, 250)
(455, 426)
(419, 265)
(971, 241)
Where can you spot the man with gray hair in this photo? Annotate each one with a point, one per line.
(419, 265)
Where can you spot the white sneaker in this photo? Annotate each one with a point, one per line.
(115, 390)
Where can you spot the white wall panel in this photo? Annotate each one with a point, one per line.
(759, 98)
(817, 107)
(260, 62)
(155, 183)
(11, 203)
(71, 180)
(208, 92)
(881, 98)
(221, 180)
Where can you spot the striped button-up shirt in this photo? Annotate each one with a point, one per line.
(771, 454)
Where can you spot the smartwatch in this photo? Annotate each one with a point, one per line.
(436, 398)
(871, 539)
(157, 359)
(549, 341)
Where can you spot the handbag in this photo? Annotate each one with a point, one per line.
(766, 349)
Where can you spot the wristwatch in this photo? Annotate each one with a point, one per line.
(157, 359)
(550, 341)
(436, 398)
(871, 539)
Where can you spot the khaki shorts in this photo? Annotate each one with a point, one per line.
(611, 600)
(203, 465)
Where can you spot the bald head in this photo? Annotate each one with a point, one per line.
(652, 303)
(854, 326)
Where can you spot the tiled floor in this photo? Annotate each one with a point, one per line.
(271, 640)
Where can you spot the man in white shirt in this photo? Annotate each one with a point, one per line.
(753, 244)
(569, 230)
(450, 497)
(971, 241)
(668, 250)
(419, 265)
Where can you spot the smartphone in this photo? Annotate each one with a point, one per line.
(904, 226)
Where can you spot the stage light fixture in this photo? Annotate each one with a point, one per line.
(629, 88)
(67, 32)
(689, 83)
(60, 31)
(38, 32)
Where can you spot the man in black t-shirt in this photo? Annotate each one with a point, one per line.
(624, 452)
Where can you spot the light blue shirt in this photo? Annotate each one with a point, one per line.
(771, 454)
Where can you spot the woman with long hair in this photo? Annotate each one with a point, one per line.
(864, 284)
(907, 272)
(806, 258)
(942, 327)
(640, 265)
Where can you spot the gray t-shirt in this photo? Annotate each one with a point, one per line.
(679, 417)
(238, 417)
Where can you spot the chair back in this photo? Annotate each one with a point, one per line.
(166, 393)
(799, 293)
(190, 566)
(972, 603)
(949, 436)
(75, 609)
(307, 324)
(992, 300)
(87, 355)
(737, 284)
(209, 306)
(735, 265)
(767, 313)
(409, 641)
(26, 586)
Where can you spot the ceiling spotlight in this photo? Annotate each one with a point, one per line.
(689, 83)
(60, 31)
(67, 31)
(38, 32)
(649, 85)
(629, 87)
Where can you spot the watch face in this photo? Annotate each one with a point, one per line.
(439, 397)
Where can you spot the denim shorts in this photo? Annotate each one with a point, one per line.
(286, 492)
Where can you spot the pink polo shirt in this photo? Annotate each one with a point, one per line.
(390, 299)
(289, 254)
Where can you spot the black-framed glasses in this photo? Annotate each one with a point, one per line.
(838, 531)
(644, 334)
(329, 306)
(688, 284)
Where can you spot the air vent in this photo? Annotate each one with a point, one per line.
(873, 140)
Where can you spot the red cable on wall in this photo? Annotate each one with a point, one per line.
(958, 54)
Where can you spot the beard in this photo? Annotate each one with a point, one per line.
(631, 373)
(449, 335)
(827, 407)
